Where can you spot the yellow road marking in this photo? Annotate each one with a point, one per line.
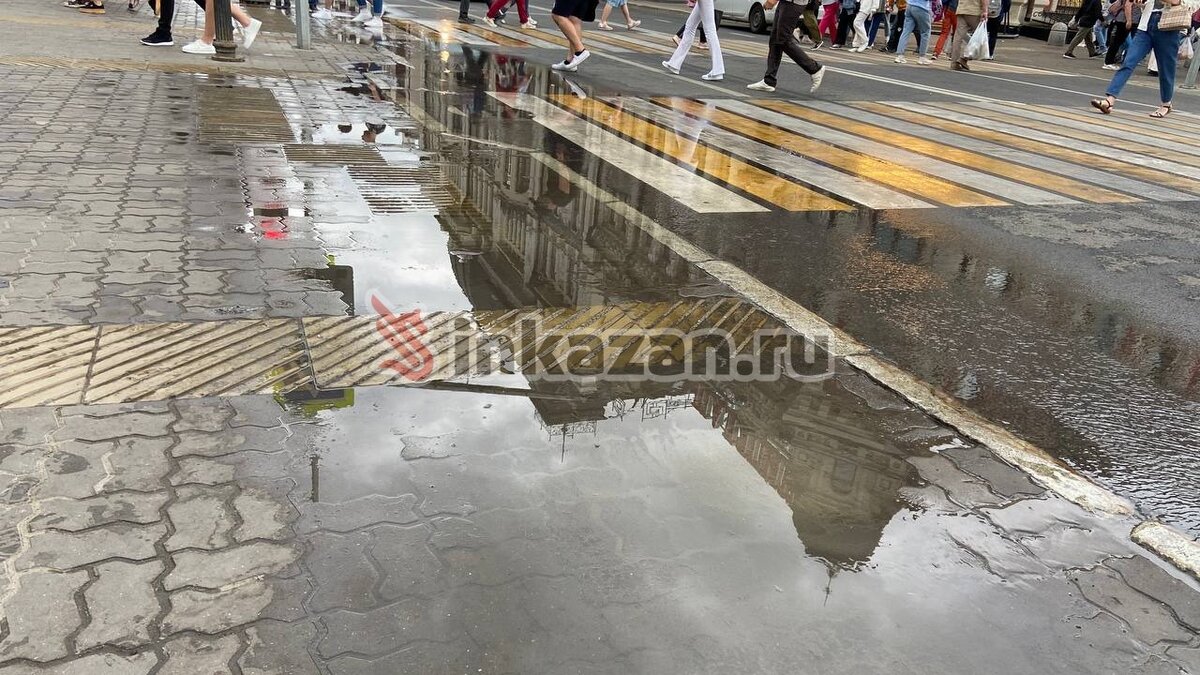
(1114, 164)
(881, 171)
(495, 36)
(721, 166)
(967, 158)
(1171, 135)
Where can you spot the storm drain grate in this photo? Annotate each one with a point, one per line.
(242, 115)
(404, 189)
(340, 155)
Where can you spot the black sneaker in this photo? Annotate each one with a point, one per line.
(157, 40)
(1068, 56)
(465, 19)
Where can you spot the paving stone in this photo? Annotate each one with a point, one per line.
(1150, 619)
(141, 663)
(383, 630)
(265, 514)
(461, 656)
(961, 487)
(122, 604)
(343, 575)
(217, 611)
(229, 441)
(202, 518)
(217, 569)
(277, 648)
(408, 565)
(260, 411)
(351, 515)
(202, 414)
(205, 470)
(90, 428)
(11, 517)
(68, 550)
(1157, 583)
(41, 615)
(81, 514)
(1000, 477)
(193, 655)
(26, 426)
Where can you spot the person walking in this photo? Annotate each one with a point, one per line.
(866, 10)
(522, 13)
(1125, 16)
(970, 14)
(918, 18)
(569, 16)
(848, 9)
(624, 7)
(703, 13)
(788, 14)
(1164, 44)
(370, 14)
(897, 10)
(877, 20)
(1100, 31)
(997, 15)
(809, 23)
(828, 23)
(1084, 22)
(949, 24)
(161, 37)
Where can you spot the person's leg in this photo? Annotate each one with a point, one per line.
(1166, 52)
(166, 16)
(910, 24)
(494, 8)
(873, 30)
(897, 29)
(1079, 33)
(1100, 36)
(787, 15)
(604, 16)
(464, 8)
(574, 43)
(1115, 42)
(949, 22)
(811, 28)
(993, 24)
(708, 17)
(967, 25)
(845, 26)
(689, 36)
(860, 30)
(828, 24)
(523, 11)
(1089, 38)
(1137, 51)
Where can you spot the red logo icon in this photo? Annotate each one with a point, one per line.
(412, 360)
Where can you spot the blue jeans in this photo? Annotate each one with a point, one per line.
(376, 6)
(1165, 45)
(1100, 32)
(916, 20)
(878, 19)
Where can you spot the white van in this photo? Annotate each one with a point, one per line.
(749, 12)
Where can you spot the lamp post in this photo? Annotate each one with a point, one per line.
(1190, 81)
(223, 26)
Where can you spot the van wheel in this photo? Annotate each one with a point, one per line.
(758, 19)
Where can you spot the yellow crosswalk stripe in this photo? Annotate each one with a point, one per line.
(967, 158)
(614, 41)
(1145, 126)
(495, 36)
(1127, 143)
(1117, 164)
(719, 165)
(892, 175)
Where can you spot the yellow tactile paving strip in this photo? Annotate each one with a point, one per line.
(63, 365)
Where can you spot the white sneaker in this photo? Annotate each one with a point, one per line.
(761, 85)
(529, 25)
(1111, 66)
(671, 68)
(363, 15)
(198, 47)
(322, 14)
(374, 22)
(489, 21)
(580, 58)
(924, 61)
(567, 66)
(250, 33)
(899, 59)
(817, 77)
(713, 77)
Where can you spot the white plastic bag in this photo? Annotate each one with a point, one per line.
(1185, 48)
(977, 47)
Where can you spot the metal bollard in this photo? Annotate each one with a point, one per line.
(1058, 35)
(303, 26)
(1190, 81)
(223, 22)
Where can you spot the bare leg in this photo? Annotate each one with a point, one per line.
(566, 25)
(604, 14)
(239, 15)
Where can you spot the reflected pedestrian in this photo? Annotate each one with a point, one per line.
(1164, 44)
(569, 16)
(703, 13)
(788, 15)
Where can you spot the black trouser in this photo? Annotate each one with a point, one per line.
(893, 40)
(994, 32)
(166, 14)
(845, 25)
(463, 7)
(787, 17)
(1118, 32)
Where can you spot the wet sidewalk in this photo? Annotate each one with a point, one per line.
(213, 457)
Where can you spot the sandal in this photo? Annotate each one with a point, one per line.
(134, 5)
(604, 26)
(1103, 105)
(631, 26)
(92, 7)
(1163, 111)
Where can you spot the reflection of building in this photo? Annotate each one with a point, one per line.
(836, 472)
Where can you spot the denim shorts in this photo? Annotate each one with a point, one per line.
(616, 3)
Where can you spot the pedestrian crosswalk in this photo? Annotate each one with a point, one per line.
(739, 155)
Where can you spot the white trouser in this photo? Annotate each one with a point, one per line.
(860, 29)
(701, 13)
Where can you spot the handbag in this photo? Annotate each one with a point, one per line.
(1175, 18)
